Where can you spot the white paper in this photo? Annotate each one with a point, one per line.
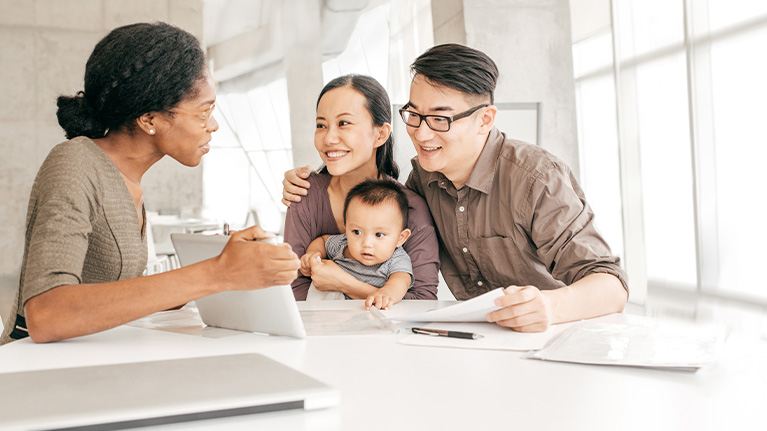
(639, 342)
(184, 321)
(473, 310)
(342, 322)
(495, 337)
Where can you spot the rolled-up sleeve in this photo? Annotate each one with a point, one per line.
(562, 228)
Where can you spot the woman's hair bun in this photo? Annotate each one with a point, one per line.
(77, 118)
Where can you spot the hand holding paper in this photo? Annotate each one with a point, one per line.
(525, 309)
(473, 310)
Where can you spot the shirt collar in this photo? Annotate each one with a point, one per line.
(483, 174)
(481, 177)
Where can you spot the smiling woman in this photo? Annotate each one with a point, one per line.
(353, 138)
(147, 94)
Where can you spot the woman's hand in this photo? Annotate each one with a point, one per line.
(306, 263)
(327, 276)
(246, 264)
(295, 185)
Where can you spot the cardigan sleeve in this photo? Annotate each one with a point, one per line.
(59, 224)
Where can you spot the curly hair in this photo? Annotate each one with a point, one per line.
(135, 69)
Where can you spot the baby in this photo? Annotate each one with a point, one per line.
(375, 218)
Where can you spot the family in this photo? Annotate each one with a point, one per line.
(485, 210)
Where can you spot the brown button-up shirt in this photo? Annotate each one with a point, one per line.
(520, 219)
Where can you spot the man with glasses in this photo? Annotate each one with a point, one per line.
(509, 214)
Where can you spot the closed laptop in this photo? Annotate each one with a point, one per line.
(120, 396)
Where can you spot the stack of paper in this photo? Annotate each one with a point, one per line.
(637, 342)
(471, 316)
(494, 337)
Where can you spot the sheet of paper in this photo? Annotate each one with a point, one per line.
(342, 322)
(638, 342)
(495, 337)
(184, 321)
(473, 310)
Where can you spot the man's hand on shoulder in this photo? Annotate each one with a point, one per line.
(295, 185)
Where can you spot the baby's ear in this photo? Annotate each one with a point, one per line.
(403, 236)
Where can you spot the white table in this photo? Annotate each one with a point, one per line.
(388, 386)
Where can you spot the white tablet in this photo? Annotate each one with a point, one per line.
(271, 311)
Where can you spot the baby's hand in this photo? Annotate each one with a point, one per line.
(306, 263)
(379, 300)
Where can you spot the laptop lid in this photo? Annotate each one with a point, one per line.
(109, 397)
(270, 311)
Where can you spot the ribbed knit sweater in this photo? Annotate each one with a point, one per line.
(82, 227)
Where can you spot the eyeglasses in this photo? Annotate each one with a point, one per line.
(438, 123)
(202, 115)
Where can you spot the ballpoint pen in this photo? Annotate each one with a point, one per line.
(446, 333)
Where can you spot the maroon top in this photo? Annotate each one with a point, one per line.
(313, 217)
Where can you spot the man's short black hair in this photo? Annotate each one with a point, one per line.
(458, 67)
(374, 192)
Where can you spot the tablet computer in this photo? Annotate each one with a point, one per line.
(272, 310)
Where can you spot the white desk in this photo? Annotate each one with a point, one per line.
(389, 386)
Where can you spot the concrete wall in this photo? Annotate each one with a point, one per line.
(448, 21)
(530, 41)
(44, 45)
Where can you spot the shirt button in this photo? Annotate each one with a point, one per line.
(461, 208)
(465, 249)
(479, 283)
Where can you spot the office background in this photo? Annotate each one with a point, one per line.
(655, 104)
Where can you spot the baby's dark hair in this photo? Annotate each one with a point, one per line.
(374, 192)
(135, 69)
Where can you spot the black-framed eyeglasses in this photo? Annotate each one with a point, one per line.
(438, 123)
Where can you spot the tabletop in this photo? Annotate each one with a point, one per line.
(386, 385)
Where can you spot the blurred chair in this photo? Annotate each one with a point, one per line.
(269, 218)
(155, 264)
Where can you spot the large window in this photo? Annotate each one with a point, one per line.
(252, 150)
(242, 176)
(673, 93)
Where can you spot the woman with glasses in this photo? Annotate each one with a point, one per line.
(353, 138)
(148, 94)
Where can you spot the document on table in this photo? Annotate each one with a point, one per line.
(637, 342)
(473, 310)
(183, 321)
(494, 337)
(342, 322)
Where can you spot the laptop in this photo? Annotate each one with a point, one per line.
(270, 311)
(119, 396)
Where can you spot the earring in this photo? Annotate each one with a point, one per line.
(151, 131)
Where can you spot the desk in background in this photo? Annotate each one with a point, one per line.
(388, 386)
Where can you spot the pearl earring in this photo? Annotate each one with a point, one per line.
(151, 131)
